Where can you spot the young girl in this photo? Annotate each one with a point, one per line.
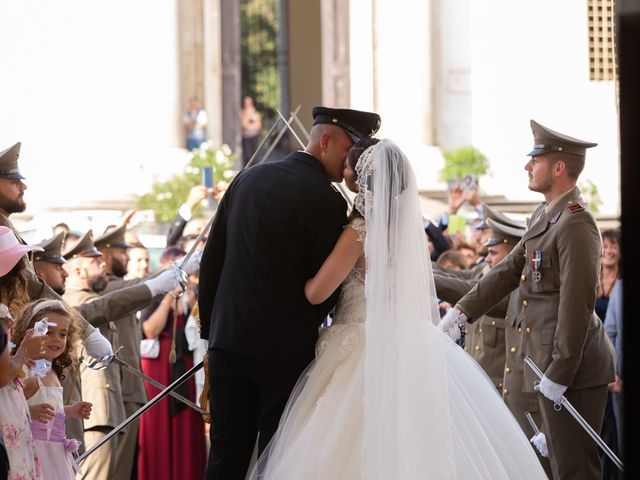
(14, 414)
(44, 392)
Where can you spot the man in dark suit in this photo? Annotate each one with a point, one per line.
(274, 227)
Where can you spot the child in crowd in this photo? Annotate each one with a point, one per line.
(44, 392)
(14, 414)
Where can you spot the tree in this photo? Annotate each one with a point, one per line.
(463, 161)
(166, 197)
(589, 191)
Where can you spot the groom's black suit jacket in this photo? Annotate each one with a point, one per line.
(275, 225)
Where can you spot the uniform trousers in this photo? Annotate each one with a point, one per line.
(572, 452)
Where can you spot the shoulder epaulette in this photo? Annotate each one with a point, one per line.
(575, 207)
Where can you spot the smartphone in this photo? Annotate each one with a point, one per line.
(469, 182)
(207, 177)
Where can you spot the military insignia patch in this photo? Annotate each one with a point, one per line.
(575, 207)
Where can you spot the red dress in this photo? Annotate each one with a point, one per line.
(171, 446)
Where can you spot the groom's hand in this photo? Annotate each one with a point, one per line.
(452, 323)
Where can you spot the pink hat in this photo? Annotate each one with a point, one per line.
(11, 251)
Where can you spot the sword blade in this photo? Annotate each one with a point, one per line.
(183, 378)
(158, 385)
(579, 418)
(533, 425)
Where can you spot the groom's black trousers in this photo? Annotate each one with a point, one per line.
(247, 396)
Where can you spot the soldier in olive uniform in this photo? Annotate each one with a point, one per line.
(555, 269)
(100, 387)
(114, 249)
(485, 338)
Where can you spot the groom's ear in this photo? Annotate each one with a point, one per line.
(325, 138)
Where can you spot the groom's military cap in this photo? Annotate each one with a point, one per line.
(503, 233)
(546, 141)
(84, 248)
(113, 237)
(9, 162)
(357, 124)
(51, 250)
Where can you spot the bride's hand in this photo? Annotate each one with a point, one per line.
(452, 322)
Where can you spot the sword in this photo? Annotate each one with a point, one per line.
(106, 360)
(280, 134)
(533, 425)
(183, 378)
(574, 413)
(338, 185)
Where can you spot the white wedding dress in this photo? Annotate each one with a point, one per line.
(427, 411)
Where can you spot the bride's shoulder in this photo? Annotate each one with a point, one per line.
(357, 223)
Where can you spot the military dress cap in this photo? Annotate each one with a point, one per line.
(52, 250)
(546, 141)
(357, 124)
(503, 233)
(84, 248)
(492, 213)
(112, 237)
(9, 162)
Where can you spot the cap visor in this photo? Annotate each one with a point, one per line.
(14, 176)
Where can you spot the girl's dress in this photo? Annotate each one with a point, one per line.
(53, 449)
(16, 433)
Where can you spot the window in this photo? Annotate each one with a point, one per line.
(602, 62)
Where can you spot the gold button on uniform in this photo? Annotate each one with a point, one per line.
(519, 329)
(493, 322)
(508, 370)
(528, 330)
(477, 347)
(523, 277)
(524, 303)
(505, 391)
(500, 385)
(513, 349)
(479, 330)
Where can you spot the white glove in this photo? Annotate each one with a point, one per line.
(193, 264)
(540, 442)
(552, 390)
(96, 345)
(452, 322)
(167, 281)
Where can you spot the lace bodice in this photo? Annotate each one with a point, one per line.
(351, 307)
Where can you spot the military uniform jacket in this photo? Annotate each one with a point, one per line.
(555, 269)
(274, 227)
(485, 338)
(130, 334)
(100, 387)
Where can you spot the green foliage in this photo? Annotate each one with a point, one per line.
(589, 191)
(463, 161)
(166, 197)
(259, 55)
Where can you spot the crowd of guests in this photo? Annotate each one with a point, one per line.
(83, 318)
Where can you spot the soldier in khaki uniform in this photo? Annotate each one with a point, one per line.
(100, 387)
(114, 254)
(555, 269)
(485, 338)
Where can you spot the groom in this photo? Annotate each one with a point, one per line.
(274, 227)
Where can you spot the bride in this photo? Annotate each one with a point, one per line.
(389, 396)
